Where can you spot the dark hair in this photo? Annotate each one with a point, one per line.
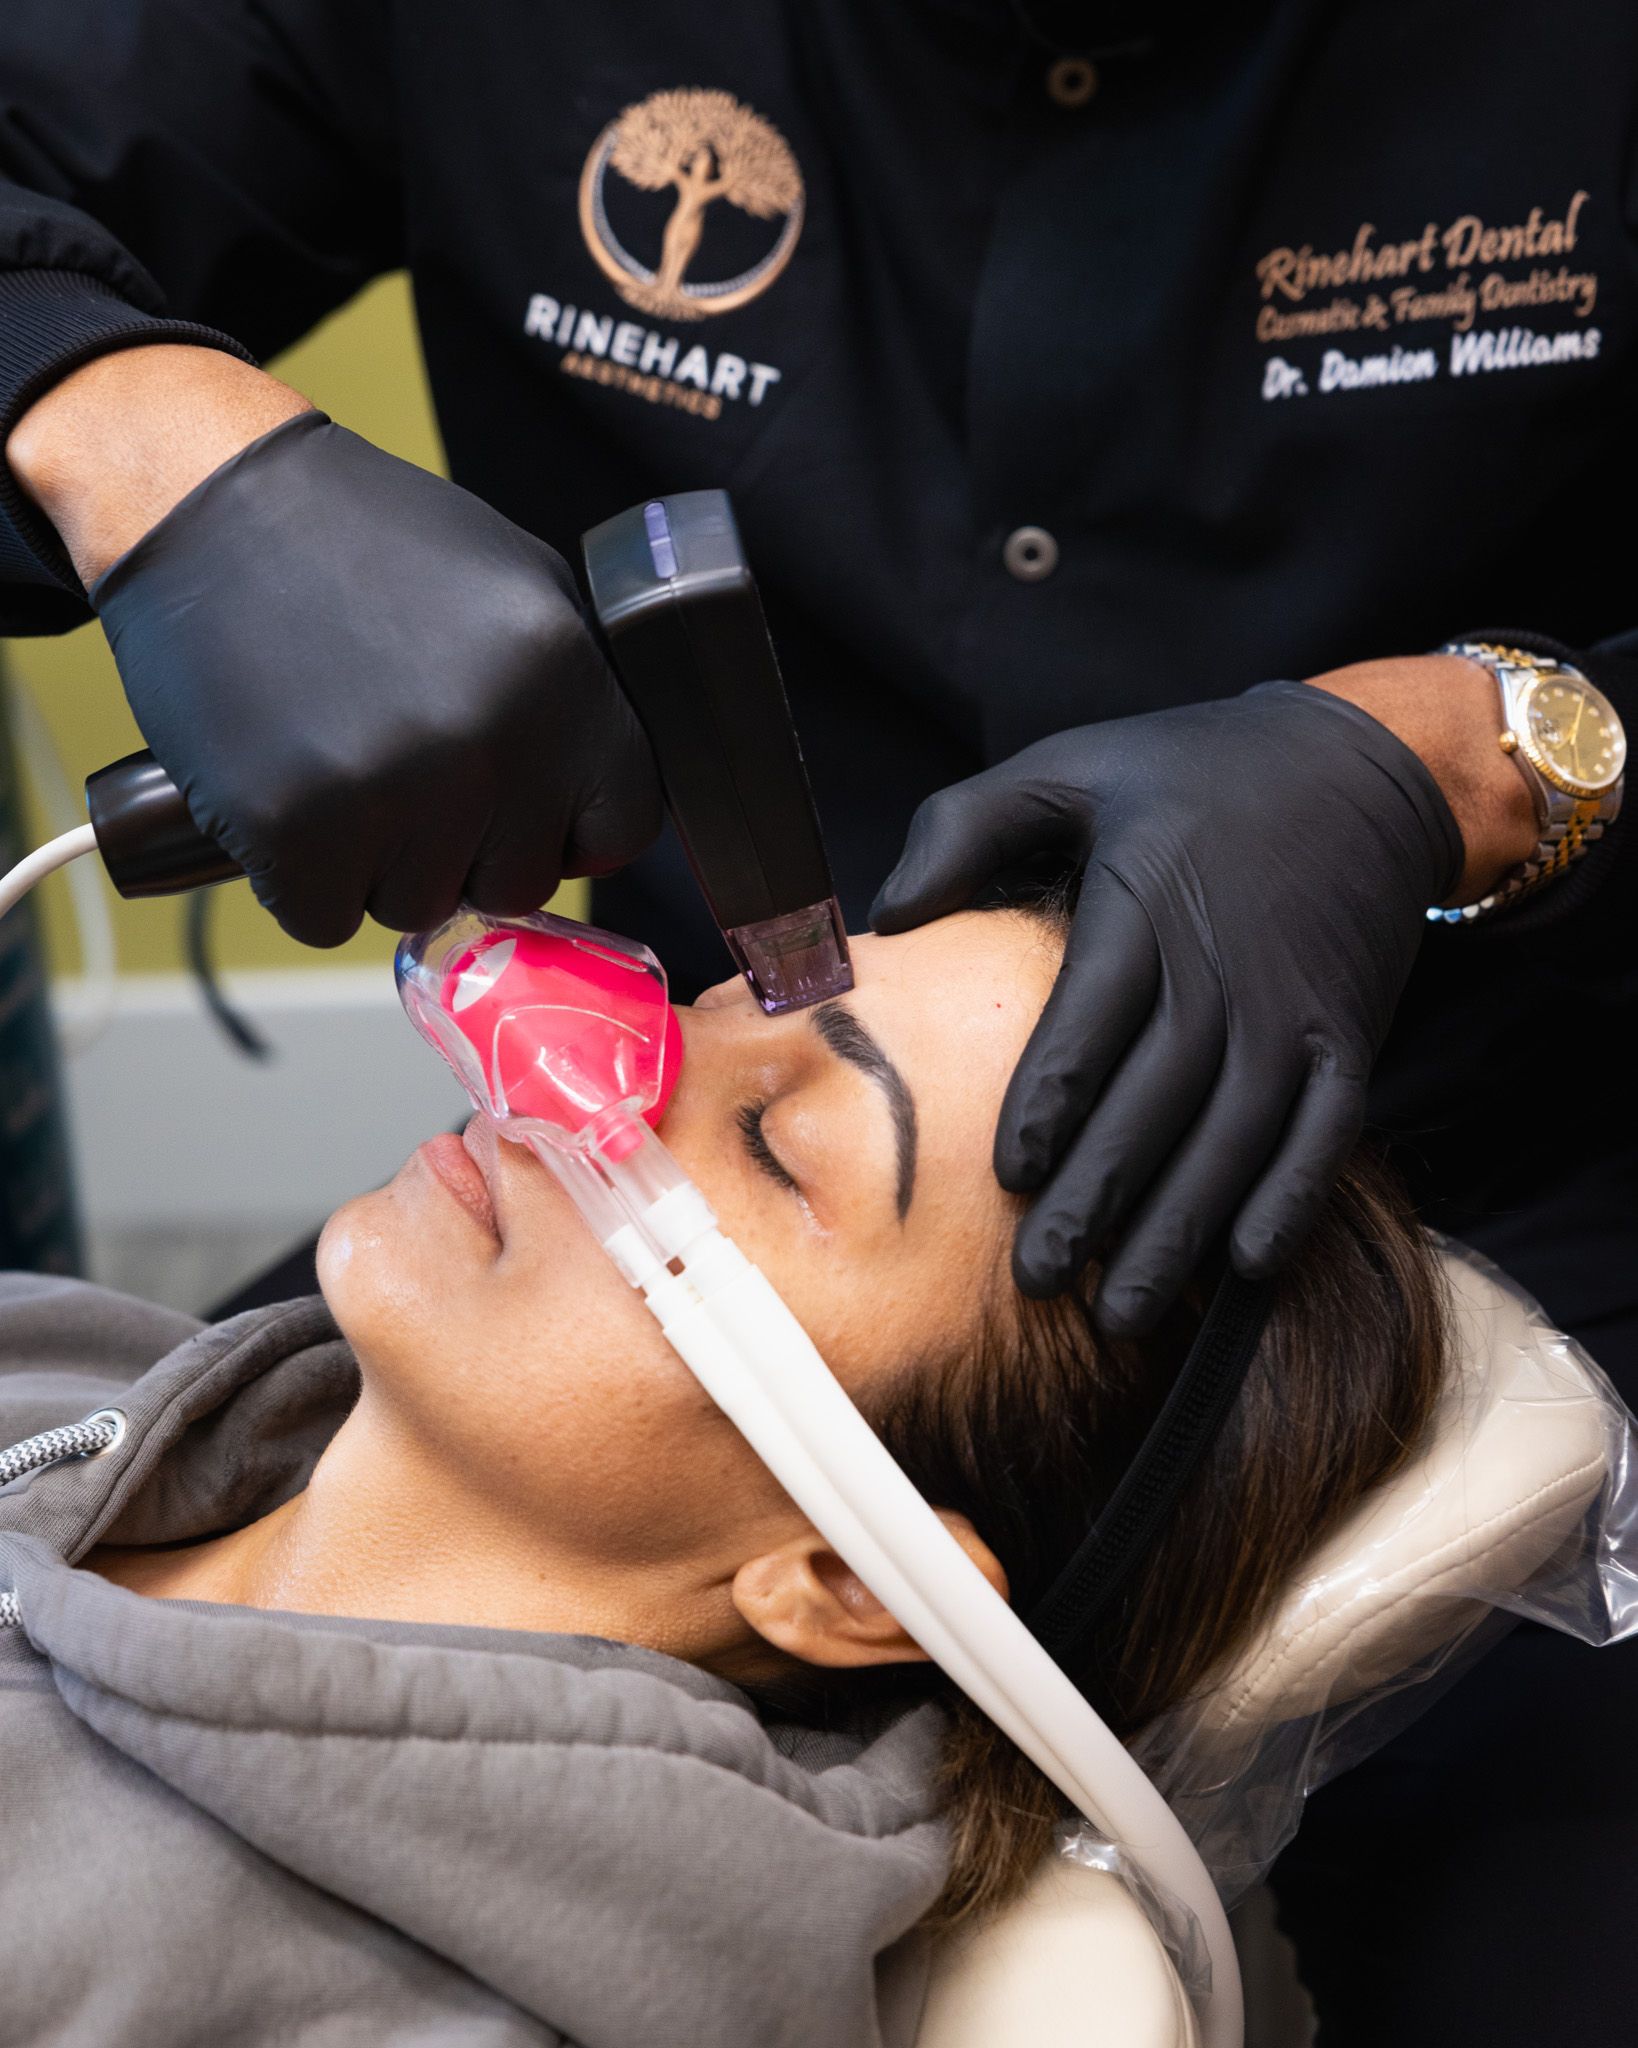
(1028, 1431)
(1028, 1434)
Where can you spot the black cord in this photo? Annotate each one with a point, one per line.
(1167, 1459)
(196, 943)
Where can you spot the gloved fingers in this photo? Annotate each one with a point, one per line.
(623, 811)
(958, 840)
(421, 827)
(312, 915)
(1193, 1201)
(1107, 987)
(1277, 1214)
(477, 706)
(1144, 1114)
(521, 863)
(318, 904)
(612, 831)
(518, 867)
(420, 888)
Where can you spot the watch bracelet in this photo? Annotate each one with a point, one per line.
(1561, 843)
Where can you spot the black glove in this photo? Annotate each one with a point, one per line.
(374, 691)
(1257, 873)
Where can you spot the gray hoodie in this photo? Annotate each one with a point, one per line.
(223, 1826)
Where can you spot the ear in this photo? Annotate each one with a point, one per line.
(804, 1600)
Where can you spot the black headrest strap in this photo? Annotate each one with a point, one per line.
(1167, 1459)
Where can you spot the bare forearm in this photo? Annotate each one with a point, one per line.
(107, 452)
(1445, 710)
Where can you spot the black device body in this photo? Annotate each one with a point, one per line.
(679, 608)
(146, 834)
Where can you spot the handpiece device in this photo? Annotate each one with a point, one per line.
(679, 610)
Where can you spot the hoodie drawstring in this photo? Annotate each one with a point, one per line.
(87, 1439)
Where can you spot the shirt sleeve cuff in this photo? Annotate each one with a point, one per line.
(52, 321)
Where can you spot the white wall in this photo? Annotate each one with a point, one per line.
(174, 1128)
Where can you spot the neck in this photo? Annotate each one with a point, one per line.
(384, 1531)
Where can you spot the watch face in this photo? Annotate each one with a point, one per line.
(1574, 736)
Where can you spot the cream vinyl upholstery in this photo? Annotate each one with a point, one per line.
(1517, 1454)
(1074, 1963)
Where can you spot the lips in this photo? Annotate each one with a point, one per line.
(453, 1162)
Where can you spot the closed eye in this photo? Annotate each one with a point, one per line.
(749, 1118)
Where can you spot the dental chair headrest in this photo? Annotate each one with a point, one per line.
(1517, 1453)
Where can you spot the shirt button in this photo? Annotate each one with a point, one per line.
(1072, 81)
(1030, 553)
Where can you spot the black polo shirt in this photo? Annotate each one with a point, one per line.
(1060, 369)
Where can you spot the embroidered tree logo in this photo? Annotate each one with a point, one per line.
(704, 146)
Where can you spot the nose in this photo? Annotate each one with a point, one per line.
(700, 1026)
(726, 1039)
(728, 1017)
(721, 995)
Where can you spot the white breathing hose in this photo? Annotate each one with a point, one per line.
(751, 1355)
(43, 861)
(760, 1367)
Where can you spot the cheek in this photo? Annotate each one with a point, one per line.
(421, 1298)
(609, 1440)
(538, 1376)
(870, 1326)
(875, 1310)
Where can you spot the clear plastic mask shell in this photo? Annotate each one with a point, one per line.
(550, 1024)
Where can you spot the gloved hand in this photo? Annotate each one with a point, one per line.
(1257, 873)
(374, 691)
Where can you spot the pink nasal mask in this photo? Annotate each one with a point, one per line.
(548, 1024)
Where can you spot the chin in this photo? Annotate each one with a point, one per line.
(352, 1250)
(380, 1268)
(336, 1246)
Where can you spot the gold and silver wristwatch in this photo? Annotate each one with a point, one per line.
(1569, 746)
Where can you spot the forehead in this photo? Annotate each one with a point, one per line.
(952, 1005)
(954, 1002)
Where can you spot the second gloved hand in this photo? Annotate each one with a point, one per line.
(1257, 872)
(374, 691)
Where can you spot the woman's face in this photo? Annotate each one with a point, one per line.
(846, 1149)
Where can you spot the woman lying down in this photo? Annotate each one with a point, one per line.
(463, 1677)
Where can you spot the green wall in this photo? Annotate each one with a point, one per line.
(364, 367)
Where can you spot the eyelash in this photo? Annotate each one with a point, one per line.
(749, 1118)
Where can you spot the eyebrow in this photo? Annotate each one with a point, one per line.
(850, 1041)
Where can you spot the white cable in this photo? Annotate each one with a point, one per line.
(99, 958)
(43, 861)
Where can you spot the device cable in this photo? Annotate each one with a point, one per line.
(42, 765)
(44, 860)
